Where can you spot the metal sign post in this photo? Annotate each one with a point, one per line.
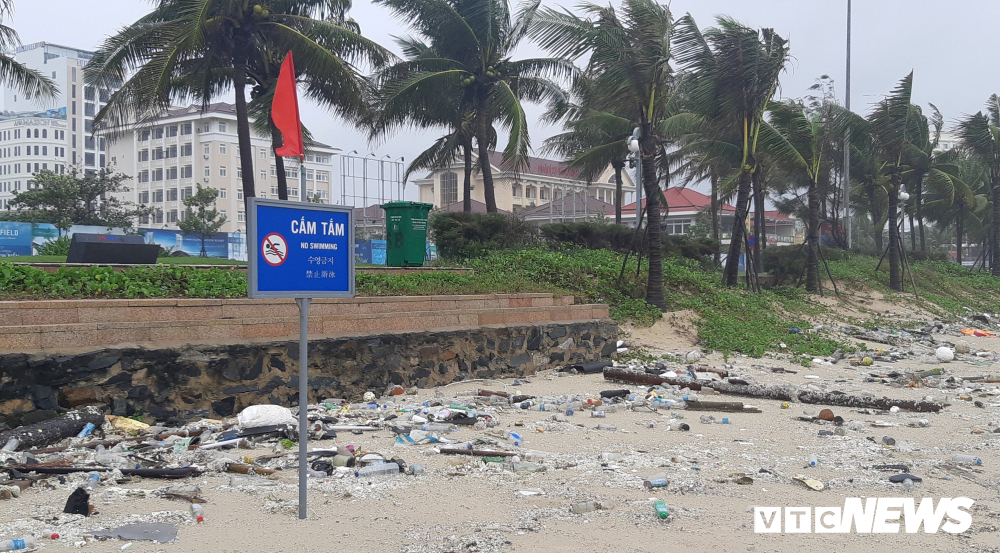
(302, 251)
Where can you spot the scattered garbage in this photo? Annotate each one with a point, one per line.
(160, 533)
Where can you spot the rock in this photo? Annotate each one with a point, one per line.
(962, 347)
(826, 414)
(692, 356)
(74, 397)
(944, 354)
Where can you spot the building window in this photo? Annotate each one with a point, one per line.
(88, 109)
(172, 131)
(158, 217)
(143, 176)
(240, 216)
(144, 197)
(222, 126)
(239, 194)
(158, 132)
(171, 173)
(263, 174)
(208, 171)
(207, 127)
(45, 150)
(186, 172)
(516, 190)
(680, 226)
(158, 174)
(222, 171)
(529, 192)
(143, 155)
(89, 159)
(172, 216)
(88, 93)
(158, 197)
(187, 193)
(222, 193)
(543, 194)
(144, 136)
(207, 149)
(222, 212)
(186, 150)
(186, 128)
(449, 188)
(222, 149)
(172, 195)
(45, 133)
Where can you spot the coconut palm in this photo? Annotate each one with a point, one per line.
(28, 82)
(920, 159)
(736, 69)
(796, 141)
(629, 65)
(953, 194)
(888, 129)
(979, 135)
(200, 48)
(474, 41)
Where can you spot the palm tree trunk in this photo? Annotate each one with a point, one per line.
(873, 211)
(759, 222)
(920, 213)
(895, 277)
(995, 242)
(467, 183)
(618, 192)
(243, 126)
(913, 234)
(714, 207)
(730, 276)
(483, 138)
(959, 231)
(812, 253)
(654, 284)
(279, 162)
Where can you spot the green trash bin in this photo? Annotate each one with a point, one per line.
(405, 233)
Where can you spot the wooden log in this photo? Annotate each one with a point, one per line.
(775, 392)
(476, 452)
(53, 430)
(748, 390)
(725, 406)
(861, 402)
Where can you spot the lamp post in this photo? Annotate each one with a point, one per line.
(633, 146)
(847, 137)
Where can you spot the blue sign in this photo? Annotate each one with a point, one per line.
(15, 239)
(300, 250)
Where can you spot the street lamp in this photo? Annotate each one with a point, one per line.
(633, 146)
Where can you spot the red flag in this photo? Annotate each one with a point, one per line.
(285, 111)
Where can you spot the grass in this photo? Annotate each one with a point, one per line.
(161, 260)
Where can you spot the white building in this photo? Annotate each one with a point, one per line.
(30, 142)
(190, 146)
(947, 141)
(80, 102)
(542, 180)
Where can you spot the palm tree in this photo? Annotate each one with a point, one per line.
(736, 69)
(888, 128)
(200, 48)
(29, 82)
(979, 135)
(593, 140)
(920, 159)
(630, 68)
(474, 42)
(953, 197)
(796, 141)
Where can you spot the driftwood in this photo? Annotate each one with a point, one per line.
(144, 473)
(725, 406)
(749, 390)
(476, 452)
(775, 392)
(53, 430)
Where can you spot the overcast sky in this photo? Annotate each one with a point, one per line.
(950, 46)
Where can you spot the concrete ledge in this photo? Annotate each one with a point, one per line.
(53, 267)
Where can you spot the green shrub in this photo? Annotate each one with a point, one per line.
(59, 246)
(460, 235)
(596, 235)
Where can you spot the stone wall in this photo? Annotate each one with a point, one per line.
(220, 380)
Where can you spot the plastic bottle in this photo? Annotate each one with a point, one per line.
(524, 467)
(610, 457)
(658, 480)
(581, 507)
(198, 512)
(661, 510)
(707, 419)
(417, 470)
(437, 427)
(11, 445)
(86, 430)
(813, 460)
(93, 480)
(598, 414)
(603, 426)
(514, 438)
(967, 459)
(18, 544)
(570, 411)
(381, 469)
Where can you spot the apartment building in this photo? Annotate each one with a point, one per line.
(79, 103)
(30, 142)
(193, 145)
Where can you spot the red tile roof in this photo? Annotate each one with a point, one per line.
(680, 199)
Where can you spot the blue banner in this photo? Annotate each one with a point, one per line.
(300, 250)
(15, 239)
(215, 246)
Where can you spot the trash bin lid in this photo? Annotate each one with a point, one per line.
(406, 205)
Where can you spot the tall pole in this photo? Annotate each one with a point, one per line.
(847, 137)
(303, 401)
(638, 189)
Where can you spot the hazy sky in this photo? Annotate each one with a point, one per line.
(950, 46)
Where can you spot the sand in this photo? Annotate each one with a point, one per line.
(461, 506)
